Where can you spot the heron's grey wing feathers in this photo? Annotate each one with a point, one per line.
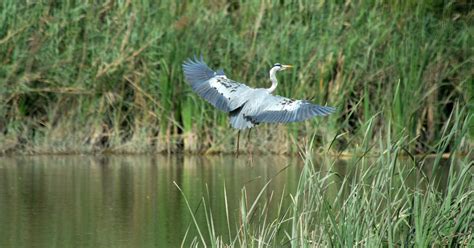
(223, 93)
(278, 109)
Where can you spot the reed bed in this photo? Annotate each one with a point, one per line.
(86, 77)
(395, 199)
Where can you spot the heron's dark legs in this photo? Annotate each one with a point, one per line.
(238, 138)
(249, 147)
(248, 140)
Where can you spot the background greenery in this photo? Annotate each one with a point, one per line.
(86, 76)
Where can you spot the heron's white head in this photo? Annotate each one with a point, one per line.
(280, 67)
(276, 67)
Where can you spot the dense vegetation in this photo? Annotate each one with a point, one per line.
(383, 201)
(82, 77)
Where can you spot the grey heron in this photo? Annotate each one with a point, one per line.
(248, 106)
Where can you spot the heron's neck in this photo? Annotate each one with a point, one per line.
(273, 79)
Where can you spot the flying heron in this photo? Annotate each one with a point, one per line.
(247, 106)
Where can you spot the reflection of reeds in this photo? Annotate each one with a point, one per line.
(76, 77)
(370, 201)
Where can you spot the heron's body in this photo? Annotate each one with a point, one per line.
(240, 117)
(247, 106)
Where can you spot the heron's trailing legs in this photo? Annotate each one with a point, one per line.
(249, 147)
(249, 150)
(248, 142)
(237, 148)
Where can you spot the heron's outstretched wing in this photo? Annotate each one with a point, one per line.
(278, 109)
(223, 93)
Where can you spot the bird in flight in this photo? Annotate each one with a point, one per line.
(248, 106)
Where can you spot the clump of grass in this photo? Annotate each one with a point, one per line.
(81, 77)
(393, 199)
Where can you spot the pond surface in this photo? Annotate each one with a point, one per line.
(129, 201)
(134, 201)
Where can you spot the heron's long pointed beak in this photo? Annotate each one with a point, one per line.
(287, 67)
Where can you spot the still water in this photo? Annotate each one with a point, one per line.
(129, 201)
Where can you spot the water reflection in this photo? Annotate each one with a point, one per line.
(132, 201)
(127, 201)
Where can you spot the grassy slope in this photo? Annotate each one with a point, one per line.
(77, 77)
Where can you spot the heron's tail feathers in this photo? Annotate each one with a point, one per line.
(238, 120)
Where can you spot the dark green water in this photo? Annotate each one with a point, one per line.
(127, 201)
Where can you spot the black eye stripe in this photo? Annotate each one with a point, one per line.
(277, 64)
